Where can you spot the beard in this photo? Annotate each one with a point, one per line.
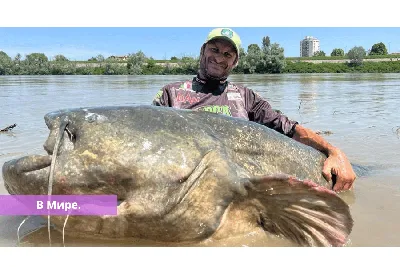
(205, 74)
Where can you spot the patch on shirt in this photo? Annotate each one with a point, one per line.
(186, 86)
(224, 109)
(234, 96)
(187, 97)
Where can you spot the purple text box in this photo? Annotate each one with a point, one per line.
(58, 205)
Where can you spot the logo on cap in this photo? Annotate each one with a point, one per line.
(227, 32)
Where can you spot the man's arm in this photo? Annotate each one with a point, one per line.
(260, 111)
(165, 96)
(159, 99)
(336, 163)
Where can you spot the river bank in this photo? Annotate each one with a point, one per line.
(176, 64)
(317, 61)
(370, 65)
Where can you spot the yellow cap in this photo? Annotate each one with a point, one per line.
(226, 34)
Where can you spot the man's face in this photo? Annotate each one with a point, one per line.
(219, 58)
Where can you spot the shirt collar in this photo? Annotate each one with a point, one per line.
(214, 87)
(205, 81)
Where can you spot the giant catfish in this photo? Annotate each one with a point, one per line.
(183, 176)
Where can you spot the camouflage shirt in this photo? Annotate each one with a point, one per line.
(224, 98)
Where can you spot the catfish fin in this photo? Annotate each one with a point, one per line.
(302, 211)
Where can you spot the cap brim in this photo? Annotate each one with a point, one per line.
(227, 39)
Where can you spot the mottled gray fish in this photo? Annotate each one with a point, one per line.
(184, 176)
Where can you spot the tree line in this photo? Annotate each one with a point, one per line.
(265, 58)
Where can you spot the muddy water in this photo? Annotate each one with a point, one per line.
(357, 112)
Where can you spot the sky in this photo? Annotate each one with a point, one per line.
(81, 43)
(80, 29)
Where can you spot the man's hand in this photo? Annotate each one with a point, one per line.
(337, 164)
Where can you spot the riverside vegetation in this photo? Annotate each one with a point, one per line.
(269, 58)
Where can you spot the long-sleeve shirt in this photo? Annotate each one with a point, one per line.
(224, 98)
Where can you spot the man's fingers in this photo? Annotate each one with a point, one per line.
(341, 176)
(348, 185)
(326, 172)
(341, 186)
(338, 186)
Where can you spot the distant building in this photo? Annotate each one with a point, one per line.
(308, 46)
(120, 58)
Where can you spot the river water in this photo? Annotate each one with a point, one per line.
(360, 111)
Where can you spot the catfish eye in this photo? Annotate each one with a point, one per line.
(71, 136)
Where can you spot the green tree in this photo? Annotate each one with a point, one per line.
(273, 59)
(253, 58)
(379, 49)
(35, 64)
(100, 58)
(114, 69)
(36, 59)
(63, 68)
(186, 58)
(135, 63)
(253, 48)
(242, 52)
(337, 52)
(17, 64)
(61, 58)
(152, 68)
(5, 64)
(4, 55)
(266, 41)
(17, 58)
(242, 61)
(319, 54)
(356, 55)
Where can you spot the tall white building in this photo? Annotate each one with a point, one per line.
(308, 46)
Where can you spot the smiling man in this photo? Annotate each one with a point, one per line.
(211, 91)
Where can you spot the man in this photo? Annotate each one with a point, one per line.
(210, 91)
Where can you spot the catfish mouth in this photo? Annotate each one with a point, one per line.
(27, 175)
(30, 174)
(36, 174)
